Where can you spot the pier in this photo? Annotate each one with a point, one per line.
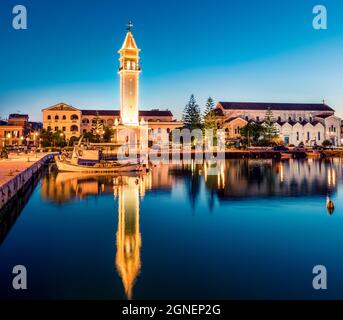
(16, 171)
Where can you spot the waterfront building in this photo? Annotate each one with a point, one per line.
(13, 131)
(17, 130)
(297, 123)
(73, 121)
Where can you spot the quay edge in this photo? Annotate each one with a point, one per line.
(9, 189)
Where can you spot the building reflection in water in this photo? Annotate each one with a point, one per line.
(225, 181)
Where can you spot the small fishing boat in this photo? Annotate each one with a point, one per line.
(108, 167)
(88, 160)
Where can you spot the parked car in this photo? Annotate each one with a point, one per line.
(280, 148)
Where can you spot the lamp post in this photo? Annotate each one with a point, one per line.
(8, 137)
(35, 136)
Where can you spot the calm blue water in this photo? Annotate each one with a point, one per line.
(254, 230)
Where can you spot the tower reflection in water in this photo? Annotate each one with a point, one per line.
(232, 180)
(128, 237)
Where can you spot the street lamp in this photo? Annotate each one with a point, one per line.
(8, 136)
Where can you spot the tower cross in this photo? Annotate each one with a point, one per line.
(129, 26)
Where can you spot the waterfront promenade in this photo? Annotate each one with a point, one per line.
(16, 171)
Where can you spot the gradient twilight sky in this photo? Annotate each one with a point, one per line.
(232, 50)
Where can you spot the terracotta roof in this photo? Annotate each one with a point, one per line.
(142, 113)
(275, 106)
(155, 113)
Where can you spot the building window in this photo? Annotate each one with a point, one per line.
(334, 129)
(84, 130)
(300, 119)
(64, 117)
(318, 135)
(85, 121)
(56, 128)
(48, 128)
(74, 128)
(297, 135)
(246, 118)
(49, 117)
(159, 130)
(289, 118)
(308, 135)
(168, 130)
(74, 117)
(279, 119)
(57, 117)
(310, 119)
(63, 128)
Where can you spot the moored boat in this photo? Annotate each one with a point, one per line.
(85, 159)
(111, 167)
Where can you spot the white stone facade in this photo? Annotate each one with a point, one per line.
(308, 124)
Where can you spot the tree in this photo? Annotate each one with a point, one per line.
(209, 115)
(73, 141)
(252, 131)
(191, 115)
(327, 143)
(58, 139)
(90, 137)
(97, 126)
(47, 138)
(108, 135)
(270, 130)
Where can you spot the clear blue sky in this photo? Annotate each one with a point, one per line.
(234, 50)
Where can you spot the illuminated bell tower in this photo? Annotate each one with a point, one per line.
(129, 71)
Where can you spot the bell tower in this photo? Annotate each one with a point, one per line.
(129, 71)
